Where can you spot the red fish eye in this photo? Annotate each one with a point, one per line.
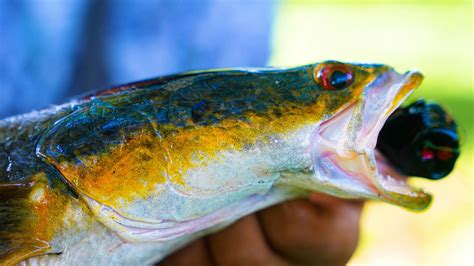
(335, 77)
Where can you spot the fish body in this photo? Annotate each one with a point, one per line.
(130, 174)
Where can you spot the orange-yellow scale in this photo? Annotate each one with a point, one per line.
(131, 170)
(47, 207)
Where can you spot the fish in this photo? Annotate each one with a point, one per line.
(130, 174)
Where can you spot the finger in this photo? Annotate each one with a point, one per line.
(196, 253)
(326, 199)
(243, 243)
(324, 232)
(329, 206)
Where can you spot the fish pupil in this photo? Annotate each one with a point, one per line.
(339, 79)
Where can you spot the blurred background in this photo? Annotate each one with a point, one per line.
(435, 37)
(51, 50)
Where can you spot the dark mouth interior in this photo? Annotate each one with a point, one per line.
(419, 140)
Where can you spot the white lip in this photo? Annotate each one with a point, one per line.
(343, 148)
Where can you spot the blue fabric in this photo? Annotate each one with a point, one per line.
(52, 50)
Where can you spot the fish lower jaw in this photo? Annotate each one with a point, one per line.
(396, 188)
(365, 173)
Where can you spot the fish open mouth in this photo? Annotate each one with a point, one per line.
(344, 147)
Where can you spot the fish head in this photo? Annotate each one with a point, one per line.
(342, 147)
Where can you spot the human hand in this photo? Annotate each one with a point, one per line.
(321, 230)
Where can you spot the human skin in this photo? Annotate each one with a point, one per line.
(320, 230)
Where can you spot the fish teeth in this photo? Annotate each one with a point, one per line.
(390, 178)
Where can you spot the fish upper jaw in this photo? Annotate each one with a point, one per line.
(343, 147)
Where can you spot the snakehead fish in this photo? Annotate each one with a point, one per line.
(130, 174)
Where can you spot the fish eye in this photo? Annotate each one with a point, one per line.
(334, 76)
